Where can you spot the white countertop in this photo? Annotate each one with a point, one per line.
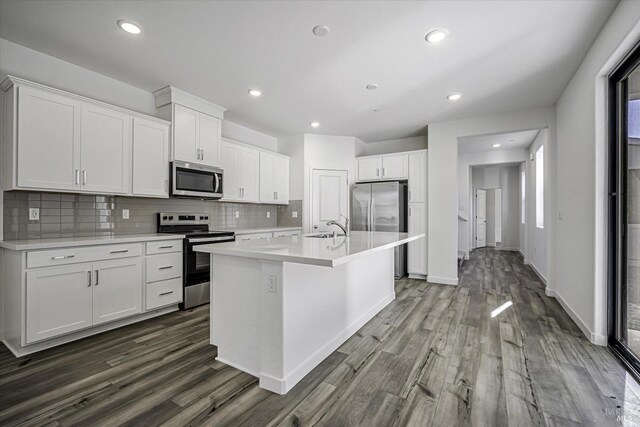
(65, 242)
(328, 252)
(251, 230)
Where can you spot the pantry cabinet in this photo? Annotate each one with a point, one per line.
(417, 250)
(274, 178)
(418, 177)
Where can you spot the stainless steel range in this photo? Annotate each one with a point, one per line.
(196, 265)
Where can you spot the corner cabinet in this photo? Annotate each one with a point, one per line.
(58, 141)
(383, 168)
(274, 178)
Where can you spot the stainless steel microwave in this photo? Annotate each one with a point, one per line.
(195, 180)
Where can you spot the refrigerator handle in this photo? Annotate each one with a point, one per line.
(373, 215)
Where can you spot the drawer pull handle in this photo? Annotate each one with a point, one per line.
(124, 251)
(166, 293)
(63, 257)
(166, 247)
(165, 267)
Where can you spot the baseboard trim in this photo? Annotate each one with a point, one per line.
(417, 276)
(597, 339)
(283, 385)
(442, 280)
(20, 351)
(535, 270)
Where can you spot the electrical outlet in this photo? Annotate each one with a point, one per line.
(125, 213)
(268, 214)
(294, 214)
(34, 214)
(237, 214)
(272, 285)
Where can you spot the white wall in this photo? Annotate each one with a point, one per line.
(536, 249)
(391, 146)
(465, 192)
(249, 136)
(580, 283)
(293, 146)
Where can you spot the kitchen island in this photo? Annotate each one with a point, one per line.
(280, 306)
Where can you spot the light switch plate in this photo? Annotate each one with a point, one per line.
(294, 214)
(34, 214)
(125, 213)
(268, 214)
(237, 214)
(272, 285)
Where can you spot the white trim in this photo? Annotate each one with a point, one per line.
(23, 351)
(417, 276)
(283, 385)
(535, 270)
(443, 280)
(171, 94)
(594, 338)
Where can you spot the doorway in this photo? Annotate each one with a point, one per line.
(624, 212)
(488, 217)
(329, 198)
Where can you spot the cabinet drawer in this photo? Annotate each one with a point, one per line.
(164, 266)
(53, 257)
(164, 246)
(163, 293)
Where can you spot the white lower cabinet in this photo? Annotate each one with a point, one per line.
(417, 250)
(163, 274)
(59, 301)
(117, 289)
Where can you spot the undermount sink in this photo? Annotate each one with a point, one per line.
(322, 235)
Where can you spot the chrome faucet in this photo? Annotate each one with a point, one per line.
(345, 228)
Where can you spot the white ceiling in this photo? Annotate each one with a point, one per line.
(503, 55)
(507, 141)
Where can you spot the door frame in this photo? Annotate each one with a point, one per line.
(617, 210)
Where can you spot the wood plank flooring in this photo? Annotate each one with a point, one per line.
(434, 356)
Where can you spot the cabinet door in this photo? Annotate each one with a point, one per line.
(249, 178)
(267, 178)
(117, 289)
(185, 134)
(58, 301)
(209, 134)
(229, 157)
(150, 158)
(418, 177)
(369, 168)
(395, 167)
(417, 250)
(105, 151)
(281, 180)
(48, 140)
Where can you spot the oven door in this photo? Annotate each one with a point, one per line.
(197, 264)
(193, 180)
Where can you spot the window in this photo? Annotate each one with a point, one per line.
(540, 187)
(523, 186)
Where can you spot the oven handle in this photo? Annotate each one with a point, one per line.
(211, 239)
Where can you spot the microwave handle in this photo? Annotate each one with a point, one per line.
(218, 189)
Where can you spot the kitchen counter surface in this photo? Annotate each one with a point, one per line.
(65, 242)
(329, 252)
(251, 230)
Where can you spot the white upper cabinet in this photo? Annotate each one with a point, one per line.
(185, 134)
(387, 167)
(106, 150)
(369, 168)
(49, 140)
(274, 178)
(241, 178)
(230, 154)
(418, 176)
(209, 137)
(150, 158)
(58, 141)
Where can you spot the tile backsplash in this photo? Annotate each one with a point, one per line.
(286, 212)
(70, 215)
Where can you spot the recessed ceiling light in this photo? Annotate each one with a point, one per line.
(436, 36)
(254, 92)
(314, 124)
(129, 26)
(454, 96)
(321, 30)
(372, 86)
(496, 145)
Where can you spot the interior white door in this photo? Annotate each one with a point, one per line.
(49, 140)
(58, 301)
(150, 158)
(329, 198)
(105, 151)
(369, 168)
(209, 135)
(117, 289)
(498, 215)
(481, 218)
(185, 134)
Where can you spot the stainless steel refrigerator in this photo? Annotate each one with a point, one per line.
(382, 206)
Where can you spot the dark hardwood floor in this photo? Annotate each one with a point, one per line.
(434, 356)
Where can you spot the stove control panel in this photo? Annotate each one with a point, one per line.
(179, 218)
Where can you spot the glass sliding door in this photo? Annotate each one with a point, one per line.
(624, 212)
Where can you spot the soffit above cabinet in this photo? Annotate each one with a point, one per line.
(170, 94)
